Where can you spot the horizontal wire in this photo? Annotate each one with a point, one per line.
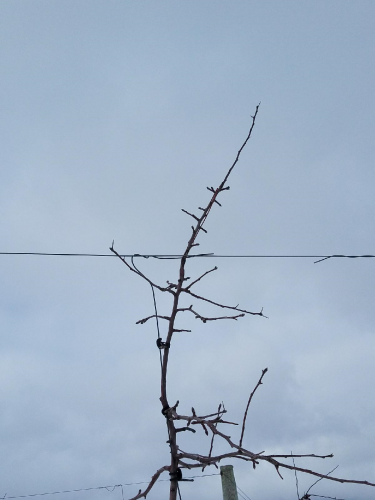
(108, 488)
(205, 255)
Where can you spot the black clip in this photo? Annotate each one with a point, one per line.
(164, 411)
(162, 345)
(177, 476)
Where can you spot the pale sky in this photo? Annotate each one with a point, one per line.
(117, 114)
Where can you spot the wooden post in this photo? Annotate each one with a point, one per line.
(228, 483)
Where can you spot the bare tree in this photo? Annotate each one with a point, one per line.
(210, 423)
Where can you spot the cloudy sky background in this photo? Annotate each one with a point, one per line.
(114, 116)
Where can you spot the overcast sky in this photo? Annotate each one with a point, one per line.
(114, 116)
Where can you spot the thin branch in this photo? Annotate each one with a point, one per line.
(142, 321)
(248, 404)
(317, 474)
(191, 215)
(221, 187)
(204, 319)
(295, 474)
(198, 279)
(213, 436)
(234, 308)
(185, 465)
(194, 217)
(162, 289)
(231, 443)
(181, 429)
(205, 460)
(122, 259)
(136, 271)
(241, 148)
(306, 455)
(317, 481)
(212, 191)
(202, 418)
(216, 192)
(320, 496)
(143, 494)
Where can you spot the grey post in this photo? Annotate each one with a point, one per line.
(228, 483)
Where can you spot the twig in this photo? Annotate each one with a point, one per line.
(317, 481)
(136, 271)
(204, 319)
(142, 321)
(198, 279)
(234, 308)
(182, 429)
(206, 460)
(295, 474)
(248, 404)
(314, 473)
(213, 436)
(321, 496)
(306, 455)
(143, 494)
(191, 215)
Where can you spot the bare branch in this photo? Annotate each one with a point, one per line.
(181, 429)
(317, 474)
(234, 308)
(308, 497)
(317, 481)
(198, 279)
(205, 460)
(205, 417)
(216, 192)
(209, 423)
(136, 271)
(295, 474)
(122, 259)
(142, 321)
(248, 404)
(213, 436)
(211, 189)
(194, 217)
(240, 150)
(306, 455)
(205, 319)
(231, 443)
(162, 289)
(155, 477)
(191, 466)
(247, 455)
